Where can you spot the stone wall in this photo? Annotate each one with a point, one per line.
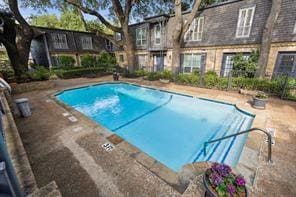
(214, 55)
(16, 149)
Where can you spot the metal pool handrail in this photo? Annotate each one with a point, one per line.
(243, 132)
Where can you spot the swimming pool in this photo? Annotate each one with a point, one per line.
(169, 127)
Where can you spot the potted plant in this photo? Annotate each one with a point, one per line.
(260, 100)
(165, 76)
(219, 180)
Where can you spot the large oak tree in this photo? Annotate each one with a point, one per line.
(181, 27)
(17, 38)
(121, 15)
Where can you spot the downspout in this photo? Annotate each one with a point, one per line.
(76, 49)
(47, 51)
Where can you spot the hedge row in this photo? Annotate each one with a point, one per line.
(211, 80)
(80, 72)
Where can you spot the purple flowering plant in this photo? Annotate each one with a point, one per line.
(224, 182)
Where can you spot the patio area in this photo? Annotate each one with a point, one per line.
(70, 153)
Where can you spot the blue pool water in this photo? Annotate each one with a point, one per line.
(169, 127)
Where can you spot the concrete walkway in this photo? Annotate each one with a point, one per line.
(70, 153)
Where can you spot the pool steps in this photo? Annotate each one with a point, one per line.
(219, 147)
(223, 151)
(214, 136)
(236, 146)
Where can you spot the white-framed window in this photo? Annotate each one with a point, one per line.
(109, 45)
(191, 62)
(157, 34)
(294, 31)
(142, 61)
(195, 30)
(245, 21)
(141, 36)
(59, 41)
(117, 36)
(86, 42)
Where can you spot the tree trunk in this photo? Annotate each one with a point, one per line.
(130, 55)
(177, 40)
(267, 38)
(180, 31)
(176, 57)
(19, 56)
(23, 46)
(17, 42)
(15, 62)
(129, 49)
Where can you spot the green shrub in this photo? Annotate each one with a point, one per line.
(222, 83)
(210, 79)
(261, 95)
(39, 73)
(245, 67)
(7, 71)
(88, 61)
(106, 60)
(141, 73)
(153, 76)
(66, 61)
(166, 74)
(188, 79)
(81, 72)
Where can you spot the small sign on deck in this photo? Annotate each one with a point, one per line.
(108, 147)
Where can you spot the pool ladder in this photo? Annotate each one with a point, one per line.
(269, 138)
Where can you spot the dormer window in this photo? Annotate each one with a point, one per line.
(86, 42)
(59, 41)
(195, 30)
(157, 33)
(245, 21)
(141, 36)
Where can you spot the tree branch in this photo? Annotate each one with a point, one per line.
(101, 33)
(127, 10)
(119, 11)
(13, 5)
(191, 17)
(95, 13)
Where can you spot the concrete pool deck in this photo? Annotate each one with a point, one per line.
(70, 153)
